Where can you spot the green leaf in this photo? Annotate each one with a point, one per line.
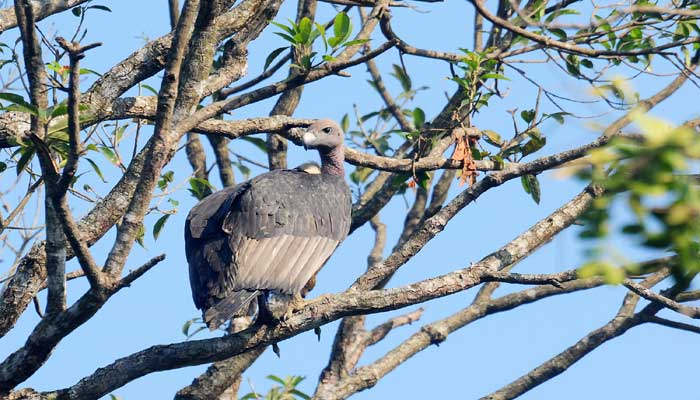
(355, 42)
(334, 41)
(257, 142)
(400, 178)
(159, 225)
(559, 33)
(97, 169)
(305, 27)
(23, 109)
(341, 27)
(187, 325)
(165, 180)
(423, 179)
(77, 11)
(561, 12)
(498, 160)
(98, 7)
(140, 235)
(300, 394)
(271, 57)
(59, 110)
(494, 76)
(306, 61)
(27, 153)
(345, 123)
(527, 115)
(533, 145)
(3, 167)
(572, 65)
(587, 63)
(198, 187)
(109, 155)
(403, 78)
(360, 174)
(87, 71)
(276, 379)
(196, 331)
(150, 89)
(558, 116)
(245, 171)
(492, 137)
(282, 26)
(18, 103)
(286, 37)
(531, 185)
(632, 229)
(418, 118)
(322, 31)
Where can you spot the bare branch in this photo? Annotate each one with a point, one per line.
(379, 332)
(671, 324)
(367, 376)
(692, 312)
(41, 10)
(623, 321)
(220, 377)
(572, 48)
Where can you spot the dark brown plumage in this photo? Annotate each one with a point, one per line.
(271, 234)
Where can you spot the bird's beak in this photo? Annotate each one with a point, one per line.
(308, 139)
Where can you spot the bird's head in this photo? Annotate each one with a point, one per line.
(324, 135)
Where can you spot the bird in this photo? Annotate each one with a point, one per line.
(269, 236)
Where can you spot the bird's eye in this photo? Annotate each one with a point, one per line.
(326, 129)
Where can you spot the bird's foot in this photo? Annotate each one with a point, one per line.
(297, 303)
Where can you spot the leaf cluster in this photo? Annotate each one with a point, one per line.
(651, 177)
(286, 389)
(304, 34)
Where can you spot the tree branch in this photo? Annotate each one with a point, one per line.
(572, 48)
(41, 10)
(621, 323)
(692, 312)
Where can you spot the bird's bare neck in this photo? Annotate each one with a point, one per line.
(332, 162)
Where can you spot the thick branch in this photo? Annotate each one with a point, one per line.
(21, 364)
(330, 308)
(41, 10)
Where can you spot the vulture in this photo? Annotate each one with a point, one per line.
(269, 235)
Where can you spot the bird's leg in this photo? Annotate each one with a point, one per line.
(266, 315)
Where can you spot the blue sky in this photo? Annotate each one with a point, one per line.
(649, 362)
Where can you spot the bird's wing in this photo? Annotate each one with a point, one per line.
(285, 227)
(206, 246)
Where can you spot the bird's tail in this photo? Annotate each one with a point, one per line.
(229, 307)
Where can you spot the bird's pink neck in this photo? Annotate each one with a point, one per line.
(332, 162)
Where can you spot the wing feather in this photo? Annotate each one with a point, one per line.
(316, 262)
(296, 269)
(288, 269)
(297, 260)
(288, 262)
